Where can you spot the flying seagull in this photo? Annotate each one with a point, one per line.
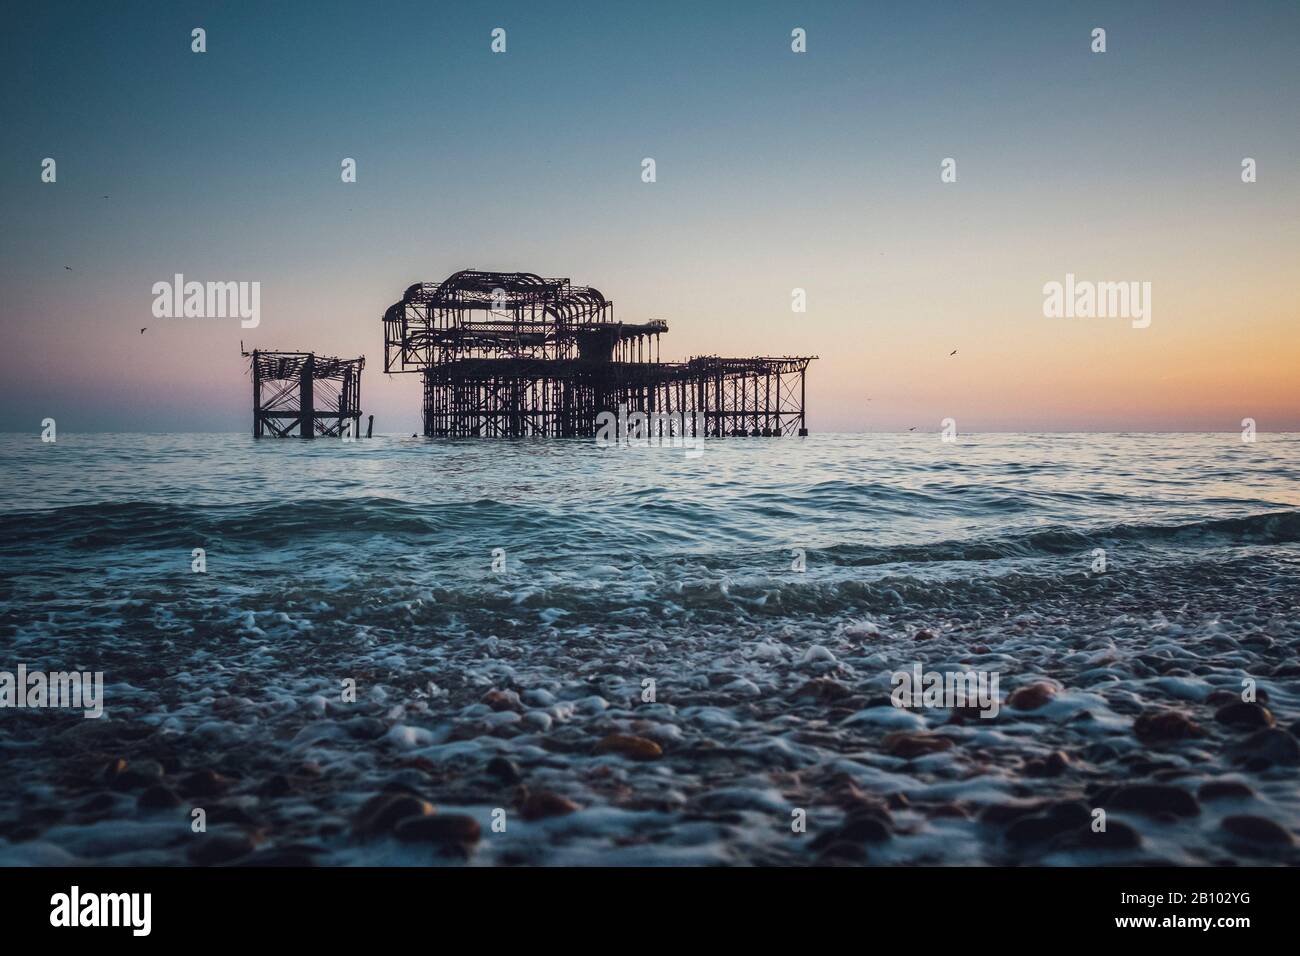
(69, 268)
(912, 429)
(952, 353)
(142, 330)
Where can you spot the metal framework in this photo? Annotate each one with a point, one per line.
(510, 354)
(314, 394)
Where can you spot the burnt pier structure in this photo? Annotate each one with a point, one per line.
(511, 354)
(305, 394)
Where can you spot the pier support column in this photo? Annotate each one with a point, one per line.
(257, 398)
(307, 399)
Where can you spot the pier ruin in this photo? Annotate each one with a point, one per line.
(305, 394)
(511, 354)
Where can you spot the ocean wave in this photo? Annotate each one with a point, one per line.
(664, 527)
(1273, 528)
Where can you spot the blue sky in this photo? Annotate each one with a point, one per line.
(775, 171)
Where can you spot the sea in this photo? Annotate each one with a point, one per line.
(570, 654)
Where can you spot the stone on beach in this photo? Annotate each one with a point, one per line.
(507, 771)
(502, 700)
(1165, 725)
(819, 657)
(1258, 830)
(159, 797)
(383, 812)
(1154, 798)
(861, 825)
(210, 849)
(204, 783)
(627, 745)
(544, 803)
(1055, 821)
(823, 688)
(1270, 746)
(1246, 715)
(1032, 696)
(439, 828)
(901, 743)
(1118, 835)
(1224, 790)
(1053, 765)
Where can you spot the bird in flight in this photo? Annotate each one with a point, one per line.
(69, 268)
(952, 353)
(912, 429)
(143, 330)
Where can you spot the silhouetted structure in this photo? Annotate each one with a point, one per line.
(510, 354)
(315, 394)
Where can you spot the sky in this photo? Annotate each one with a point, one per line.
(775, 171)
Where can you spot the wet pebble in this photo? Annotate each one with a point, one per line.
(1224, 790)
(1053, 765)
(364, 728)
(502, 700)
(859, 826)
(1058, 819)
(1165, 726)
(122, 776)
(504, 770)
(1118, 835)
(1032, 696)
(544, 803)
(818, 657)
(382, 812)
(538, 720)
(439, 828)
(823, 688)
(1247, 716)
(1154, 799)
(1270, 746)
(204, 783)
(627, 745)
(909, 745)
(1258, 830)
(210, 849)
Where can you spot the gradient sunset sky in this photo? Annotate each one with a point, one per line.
(775, 170)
